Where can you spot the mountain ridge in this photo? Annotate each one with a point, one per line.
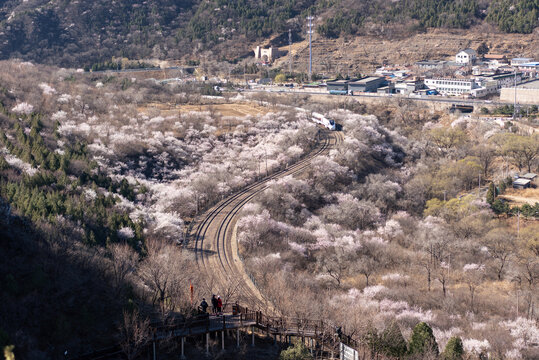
(73, 33)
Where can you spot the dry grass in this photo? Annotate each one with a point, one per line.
(231, 109)
(520, 197)
(365, 53)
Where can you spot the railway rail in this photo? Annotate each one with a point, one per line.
(214, 234)
(216, 254)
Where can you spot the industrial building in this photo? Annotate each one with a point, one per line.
(367, 84)
(408, 87)
(431, 64)
(338, 87)
(452, 86)
(526, 93)
(519, 61)
(500, 58)
(507, 79)
(531, 69)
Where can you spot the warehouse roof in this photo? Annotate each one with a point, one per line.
(529, 176)
(338, 81)
(521, 182)
(366, 80)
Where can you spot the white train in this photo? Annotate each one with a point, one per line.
(320, 119)
(324, 121)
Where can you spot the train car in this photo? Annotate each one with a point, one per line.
(322, 120)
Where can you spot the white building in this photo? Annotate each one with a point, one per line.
(267, 55)
(519, 61)
(466, 57)
(452, 86)
(531, 69)
(502, 80)
(486, 87)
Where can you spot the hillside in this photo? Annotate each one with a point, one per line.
(363, 54)
(77, 33)
(101, 177)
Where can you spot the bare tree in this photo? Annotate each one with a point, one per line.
(334, 263)
(165, 274)
(473, 275)
(500, 247)
(134, 334)
(124, 261)
(370, 259)
(486, 154)
(425, 261)
(442, 275)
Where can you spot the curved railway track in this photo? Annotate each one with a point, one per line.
(214, 235)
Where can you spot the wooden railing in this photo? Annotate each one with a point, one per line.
(239, 316)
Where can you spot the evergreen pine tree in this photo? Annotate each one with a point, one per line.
(423, 340)
(491, 193)
(453, 350)
(393, 343)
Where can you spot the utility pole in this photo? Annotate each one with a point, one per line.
(518, 225)
(290, 51)
(479, 187)
(310, 32)
(515, 100)
(518, 293)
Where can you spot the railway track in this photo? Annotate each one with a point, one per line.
(214, 241)
(214, 236)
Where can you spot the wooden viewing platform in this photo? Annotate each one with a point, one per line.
(319, 334)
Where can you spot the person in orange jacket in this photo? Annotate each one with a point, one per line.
(219, 304)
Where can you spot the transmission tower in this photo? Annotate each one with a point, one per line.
(310, 32)
(290, 51)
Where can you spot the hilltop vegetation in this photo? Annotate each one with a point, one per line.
(101, 177)
(76, 33)
(94, 192)
(397, 236)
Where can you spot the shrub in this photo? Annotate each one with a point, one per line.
(296, 352)
(499, 206)
(280, 78)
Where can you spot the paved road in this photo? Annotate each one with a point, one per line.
(214, 238)
(439, 99)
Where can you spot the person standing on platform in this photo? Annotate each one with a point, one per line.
(204, 305)
(213, 304)
(219, 305)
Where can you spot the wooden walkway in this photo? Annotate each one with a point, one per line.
(203, 325)
(319, 334)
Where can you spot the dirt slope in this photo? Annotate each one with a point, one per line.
(366, 53)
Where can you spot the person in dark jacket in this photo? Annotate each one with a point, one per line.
(204, 305)
(213, 304)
